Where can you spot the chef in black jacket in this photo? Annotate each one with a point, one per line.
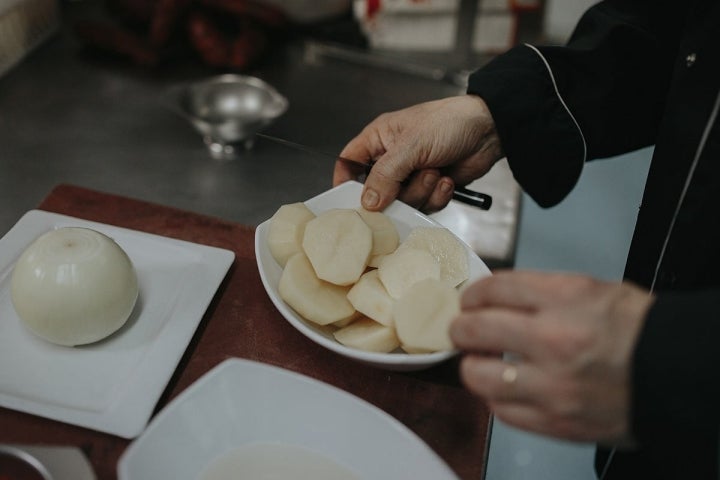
(633, 366)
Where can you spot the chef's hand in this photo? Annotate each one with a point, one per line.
(422, 152)
(571, 339)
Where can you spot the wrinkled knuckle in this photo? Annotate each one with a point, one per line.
(383, 117)
(567, 343)
(576, 343)
(553, 339)
(567, 407)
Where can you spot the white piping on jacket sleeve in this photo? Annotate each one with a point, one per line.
(557, 92)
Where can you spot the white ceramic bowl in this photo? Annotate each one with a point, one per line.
(74, 286)
(242, 404)
(405, 218)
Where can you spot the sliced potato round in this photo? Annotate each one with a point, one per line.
(346, 321)
(406, 266)
(374, 260)
(366, 334)
(286, 230)
(445, 248)
(370, 298)
(338, 242)
(423, 315)
(314, 299)
(385, 235)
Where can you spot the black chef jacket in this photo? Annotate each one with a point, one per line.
(638, 73)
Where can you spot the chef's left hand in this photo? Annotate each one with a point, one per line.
(423, 152)
(571, 340)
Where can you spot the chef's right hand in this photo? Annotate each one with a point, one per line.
(422, 152)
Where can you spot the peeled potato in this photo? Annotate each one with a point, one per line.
(287, 227)
(346, 321)
(406, 266)
(347, 272)
(338, 243)
(314, 299)
(370, 298)
(445, 248)
(375, 260)
(366, 334)
(385, 235)
(423, 315)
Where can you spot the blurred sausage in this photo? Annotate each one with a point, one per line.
(266, 15)
(116, 40)
(136, 13)
(169, 14)
(208, 40)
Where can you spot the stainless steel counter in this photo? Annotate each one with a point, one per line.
(68, 116)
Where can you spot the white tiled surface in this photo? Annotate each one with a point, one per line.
(589, 232)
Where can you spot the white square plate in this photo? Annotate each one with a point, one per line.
(112, 385)
(347, 195)
(241, 403)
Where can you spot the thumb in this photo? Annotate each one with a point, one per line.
(392, 166)
(386, 178)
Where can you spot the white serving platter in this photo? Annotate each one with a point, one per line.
(347, 195)
(112, 385)
(241, 403)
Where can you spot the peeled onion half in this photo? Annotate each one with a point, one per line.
(74, 286)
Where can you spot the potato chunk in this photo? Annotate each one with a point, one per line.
(366, 334)
(385, 235)
(375, 260)
(314, 299)
(338, 243)
(423, 315)
(370, 298)
(286, 230)
(406, 266)
(445, 248)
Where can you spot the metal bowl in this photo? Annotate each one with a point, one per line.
(228, 110)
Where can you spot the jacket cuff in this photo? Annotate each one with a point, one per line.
(543, 143)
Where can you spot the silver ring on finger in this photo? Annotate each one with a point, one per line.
(509, 375)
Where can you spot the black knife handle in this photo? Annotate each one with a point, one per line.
(481, 200)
